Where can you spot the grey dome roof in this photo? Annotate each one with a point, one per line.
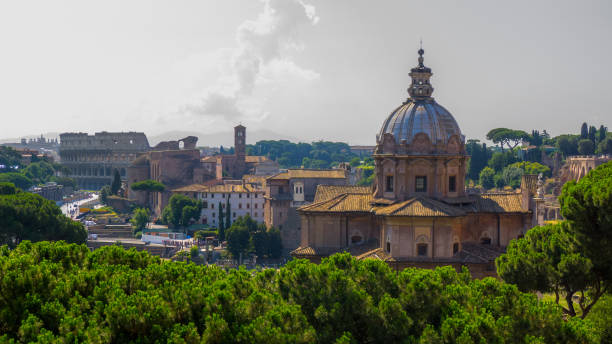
(421, 116)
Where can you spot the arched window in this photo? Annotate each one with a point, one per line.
(356, 239)
(455, 248)
(422, 250)
(485, 241)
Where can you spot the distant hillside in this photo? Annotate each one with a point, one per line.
(224, 138)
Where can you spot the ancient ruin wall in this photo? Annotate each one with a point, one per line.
(92, 159)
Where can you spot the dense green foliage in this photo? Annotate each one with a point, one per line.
(181, 210)
(247, 236)
(479, 157)
(321, 154)
(105, 191)
(148, 185)
(65, 293)
(547, 260)
(486, 178)
(8, 188)
(9, 158)
(16, 178)
(140, 218)
(116, 183)
(39, 171)
(587, 205)
(26, 216)
(506, 137)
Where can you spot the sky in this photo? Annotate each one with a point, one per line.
(307, 69)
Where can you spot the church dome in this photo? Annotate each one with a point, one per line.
(420, 116)
(420, 113)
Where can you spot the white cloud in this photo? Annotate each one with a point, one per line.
(261, 57)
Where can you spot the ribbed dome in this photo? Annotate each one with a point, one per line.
(421, 116)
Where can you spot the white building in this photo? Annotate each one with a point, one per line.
(243, 199)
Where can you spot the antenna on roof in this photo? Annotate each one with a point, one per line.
(421, 43)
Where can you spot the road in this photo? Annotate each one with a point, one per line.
(72, 209)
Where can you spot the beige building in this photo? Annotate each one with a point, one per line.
(288, 190)
(417, 212)
(243, 199)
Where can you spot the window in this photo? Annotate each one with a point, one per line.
(212, 206)
(222, 195)
(389, 184)
(422, 250)
(420, 184)
(239, 195)
(485, 241)
(255, 214)
(255, 205)
(248, 195)
(455, 247)
(234, 214)
(212, 195)
(239, 205)
(248, 206)
(205, 205)
(388, 247)
(213, 216)
(452, 184)
(356, 239)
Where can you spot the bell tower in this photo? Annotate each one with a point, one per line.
(240, 140)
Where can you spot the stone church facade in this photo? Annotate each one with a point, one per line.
(417, 213)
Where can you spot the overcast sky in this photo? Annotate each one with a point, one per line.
(312, 69)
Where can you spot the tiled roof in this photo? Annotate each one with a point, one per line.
(355, 250)
(306, 173)
(420, 206)
(223, 188)
(325, 192)
(476, 253)
(342, 203)
(209, 159)
(470, 253)
(496, 203)
(255, 158)
(251, 178)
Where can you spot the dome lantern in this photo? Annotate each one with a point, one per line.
(420, 87)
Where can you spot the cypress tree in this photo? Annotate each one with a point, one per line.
(116, 184)
(584, 131)
(221, 224)
(228, 213)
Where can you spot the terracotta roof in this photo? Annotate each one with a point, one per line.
(420, 206)
(325, 192)
(251, 178)
(343, 203)
(306, 173)
(470, 253)
(222, 188)
(496, 203)
(255, 158)
(355, 250)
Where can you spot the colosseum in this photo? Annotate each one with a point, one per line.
(92, 159)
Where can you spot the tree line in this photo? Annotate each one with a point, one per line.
(319, 155)
(504, 166)
(570, 259)
(60, 292)
(39, 171)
